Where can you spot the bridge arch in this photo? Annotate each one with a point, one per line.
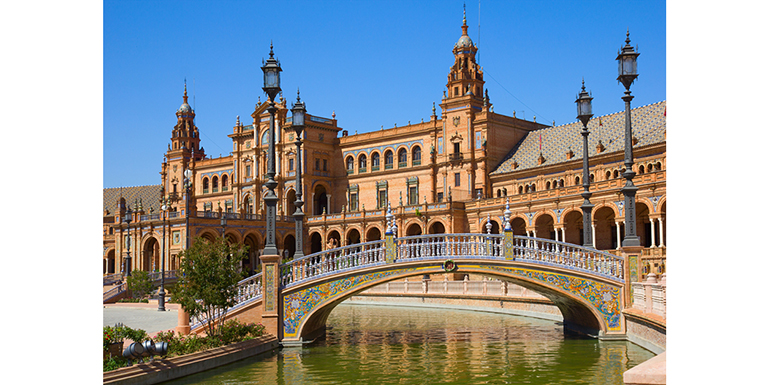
(307, 307)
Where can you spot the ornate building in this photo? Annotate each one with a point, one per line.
(449, 174)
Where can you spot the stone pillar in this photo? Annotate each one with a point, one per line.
(593, 235)
(183, 322)
(617, 232)
(271, 295)
(632, 258)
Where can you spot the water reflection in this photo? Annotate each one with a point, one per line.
(392, 345)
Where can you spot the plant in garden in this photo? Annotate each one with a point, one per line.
(139, 283)
(207, 286)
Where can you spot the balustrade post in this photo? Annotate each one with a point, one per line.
(271, 278)
(183, 322)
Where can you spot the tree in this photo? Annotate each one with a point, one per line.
(139, 283)
(207, 287)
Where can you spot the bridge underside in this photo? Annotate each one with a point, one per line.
(589, 305)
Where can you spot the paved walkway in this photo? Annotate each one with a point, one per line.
(141, 316)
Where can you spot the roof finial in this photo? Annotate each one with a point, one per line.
(297, 94)
(464, 21)
(271, 48)
(628, 39)
(185, 90)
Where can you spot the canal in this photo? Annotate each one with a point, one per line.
(405, 345)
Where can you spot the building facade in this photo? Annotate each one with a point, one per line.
(453, 173)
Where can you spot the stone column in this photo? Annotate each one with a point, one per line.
(660, 226)
(593, 235)
(617, 231)
(652, 232)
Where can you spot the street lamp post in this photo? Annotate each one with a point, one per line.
(187, 185)
(298, 124)
(162, 291)
(272, 86)
(223, 223)
(584, 114)
(626, 75)
(128, 242)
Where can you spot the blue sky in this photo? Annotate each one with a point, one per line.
(373, 63)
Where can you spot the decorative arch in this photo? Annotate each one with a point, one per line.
(413, 227)
(436, 226)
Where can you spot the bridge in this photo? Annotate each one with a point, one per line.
(294, 299)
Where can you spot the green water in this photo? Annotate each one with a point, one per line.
(401, 345)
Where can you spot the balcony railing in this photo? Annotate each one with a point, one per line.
(456, 156)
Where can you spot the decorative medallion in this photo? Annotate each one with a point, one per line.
(449, 266)
(456, 121)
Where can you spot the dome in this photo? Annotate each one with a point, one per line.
(185, 108)
(465, 41)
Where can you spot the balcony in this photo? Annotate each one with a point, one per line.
(457, 156)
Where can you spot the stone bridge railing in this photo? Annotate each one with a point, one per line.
(249, 290)
(447, 246)
(485, 287)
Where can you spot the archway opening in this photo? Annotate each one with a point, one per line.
(373, 234)
(437, 228)
(605, 233)
(251, 261)
(414, 229)
(519, 226)
(151, 255)
(291, 197)
(315, 243)
(289, 247)
(333, 239)
(544, 227)
(320, 200)
(353, 237)
(573, 227)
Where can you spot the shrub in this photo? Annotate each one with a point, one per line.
(139, 283)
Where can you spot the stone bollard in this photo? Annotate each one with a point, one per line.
(183, 322)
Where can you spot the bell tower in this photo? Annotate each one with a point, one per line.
(183, 151)
(465, 76)
(185, 135)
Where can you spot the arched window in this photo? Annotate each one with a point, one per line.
(608, 175)
(402, 158)
(657, 166)
(375, 161)
(362, 163)
(264, 137)
(561, 182)
(224, 182)
(521, 189)
(547, 185)
(641, 169)
(577, 181)
(215, 184)
(499, 193)
(591, 179)
(532, 187)
(615, 174)
(349, 164)
(388, 159)
(416, 156)
(205, 185)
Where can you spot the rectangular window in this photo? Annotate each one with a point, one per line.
(318, 164)
(382, 199)
(457, 179)
(479, 193)
(440, 197)
(248, 170)
(291, 164)
(325, 165)
(413, 199)
(354, 202)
